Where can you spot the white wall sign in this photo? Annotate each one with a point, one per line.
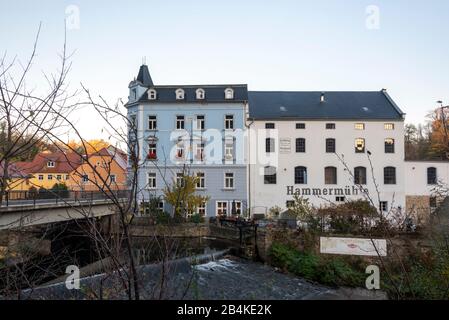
(285, 145)
(353, 246)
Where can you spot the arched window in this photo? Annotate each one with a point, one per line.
(229, 93)
(330, 175)
(269, 175)
(152, 94)
(359, 145)
(389, 145)
(269, 145)
(200, 94)
(360, 175)
(300, 145)
(330, 145)
(300, 175)
(431, 175)
(179, 94)
(389, 175)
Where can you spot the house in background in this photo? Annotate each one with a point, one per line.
(48, 169)
(102, 170)
(17, 179)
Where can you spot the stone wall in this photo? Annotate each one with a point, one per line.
(419, 208)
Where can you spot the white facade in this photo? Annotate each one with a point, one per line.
(418, 181)
(315, 158)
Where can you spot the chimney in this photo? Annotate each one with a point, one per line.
(322, 99)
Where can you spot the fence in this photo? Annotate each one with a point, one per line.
(59, 196)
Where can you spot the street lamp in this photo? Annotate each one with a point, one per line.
(443, 120)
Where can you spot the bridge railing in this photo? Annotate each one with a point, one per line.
(14, 198)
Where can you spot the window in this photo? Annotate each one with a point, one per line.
(134, 93)
(180, 179)
(113, 178)
(152, 123)
(229, 149)
(152, 94)
(229, 122)
(340, 199)
(85, 178)
(330, 145)
(383, 206)
(222, 208)
(67, 177)
(200, 94)
(360, 175)
(389, 145)
(389, 175)
(269, 175)
(50, 164)
(330, 175)
(180, 150)
(300, 145)
(200, 122)
(300, 126)
(58, 177)
(200, 151)
(359, 126)
(201, 182)
(151, 180)
(431, 175)
(50, 177)
(269, 145)
(179, 94)
(359, 145)
(201, 209)
(290, 204)
(270, 126)
(389, 126)
(300, 175)
(236, 207)
(180, 120)
(41, 177)
(229, 180)
(152, 147)
(330, 126)
(229, 94)
(433, 202)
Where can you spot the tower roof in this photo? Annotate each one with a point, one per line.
(144, 76)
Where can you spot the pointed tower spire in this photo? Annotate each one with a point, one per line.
(144, 76)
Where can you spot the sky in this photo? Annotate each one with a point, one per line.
(320, 45)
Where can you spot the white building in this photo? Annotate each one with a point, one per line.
(329, 146)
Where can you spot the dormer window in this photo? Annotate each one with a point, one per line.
(229, 94)
(50, 164)
(179, 94)
(152, 94)
(200, 94)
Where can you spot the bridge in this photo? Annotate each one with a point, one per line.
(23, 208)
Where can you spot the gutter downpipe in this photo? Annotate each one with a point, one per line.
(248, 127)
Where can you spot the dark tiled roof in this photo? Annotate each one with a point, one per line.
(363, 105)
(214, 93)
(144, 76)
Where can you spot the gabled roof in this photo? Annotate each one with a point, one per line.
(337, 105)
(13, 171)
(116, 154)
(64, 163)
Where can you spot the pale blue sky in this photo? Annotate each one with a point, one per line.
(270, 45)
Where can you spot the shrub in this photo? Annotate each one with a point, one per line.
(196, 218)
(333, 272)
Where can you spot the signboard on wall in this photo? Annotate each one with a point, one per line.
(285, 145)
(353, 246)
